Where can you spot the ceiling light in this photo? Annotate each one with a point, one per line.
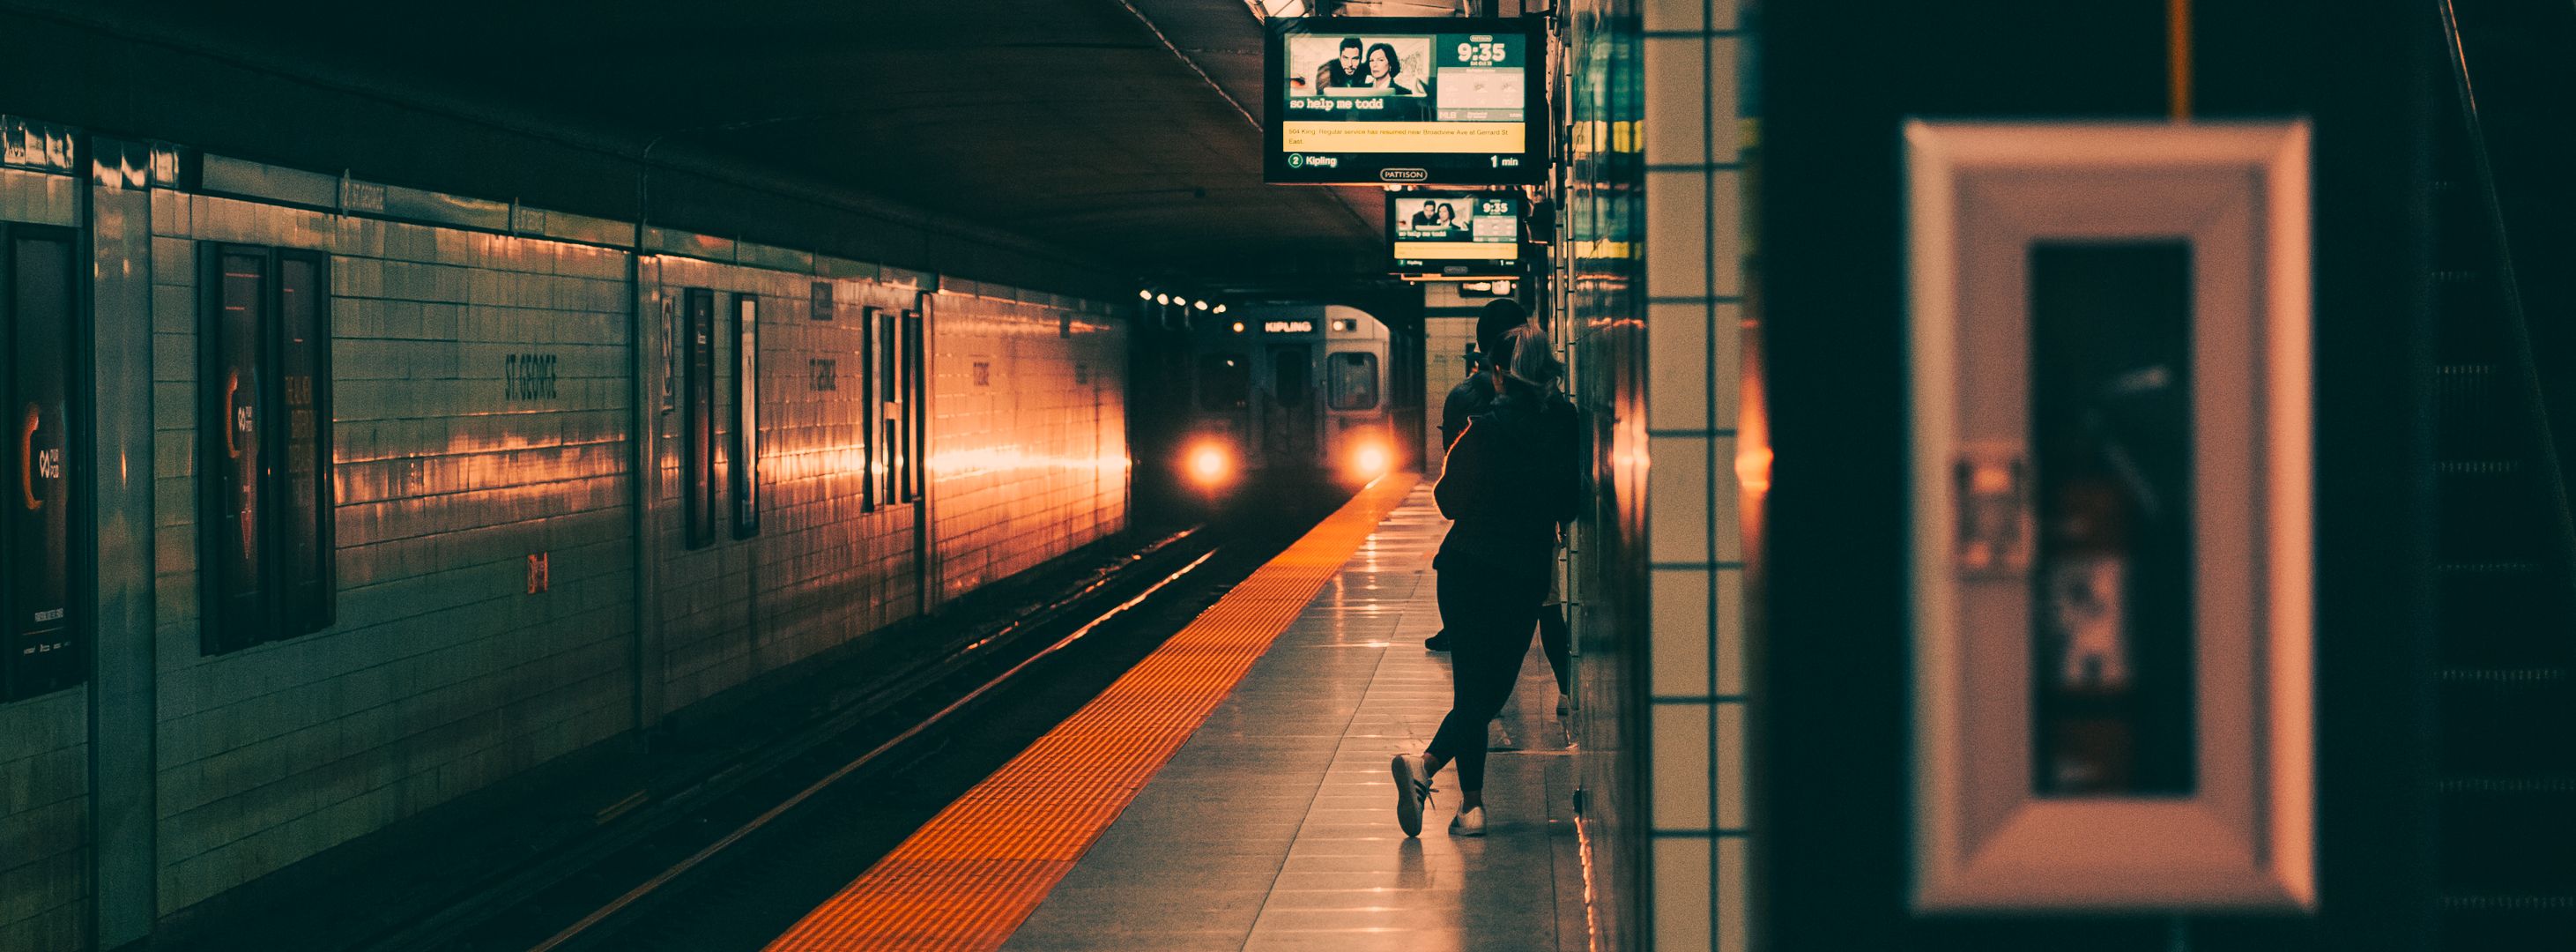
(1220, 309)
(1201, 305)
(1145, 295)
(1162, 299)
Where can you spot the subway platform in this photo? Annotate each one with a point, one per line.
(1265, 818)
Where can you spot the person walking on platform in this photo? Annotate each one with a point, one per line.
(1511, 479)
(1472, 396)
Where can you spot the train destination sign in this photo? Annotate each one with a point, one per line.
(1357, 100)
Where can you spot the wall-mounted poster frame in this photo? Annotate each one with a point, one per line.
(2155, 754)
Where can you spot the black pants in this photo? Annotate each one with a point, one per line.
(1489, 630)
(1553, 636)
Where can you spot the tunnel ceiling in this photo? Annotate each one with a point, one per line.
(1072, 122)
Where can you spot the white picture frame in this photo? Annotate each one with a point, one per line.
(2243, 838)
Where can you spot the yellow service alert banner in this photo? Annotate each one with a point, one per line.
(1310, 136)
(1435, 250)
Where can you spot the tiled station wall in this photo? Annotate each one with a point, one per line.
(443, 673)
(1695, 292)
(823, 567)
(44, 821)
(1659, 319)
(1031, 444)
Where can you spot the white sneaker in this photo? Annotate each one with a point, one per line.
(1412, 790)
(1468, 822)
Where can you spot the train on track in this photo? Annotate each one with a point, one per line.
(1288, 392)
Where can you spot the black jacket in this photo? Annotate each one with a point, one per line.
(1471, 396)
(1514, 474)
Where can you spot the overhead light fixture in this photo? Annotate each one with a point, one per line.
(1238, 327)
(1220, 309)
(1162, 299)
(1145, 295)
(1201, 305)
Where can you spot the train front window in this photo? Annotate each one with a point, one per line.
(1225, 382)
(1353, 378)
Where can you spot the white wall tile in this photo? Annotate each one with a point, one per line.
(1677, 237)
(1734, 905)
(1681, 746)
(1677, 491)
(1677, 382)
(1729, 762)
(1682, 917)
(1724, 523)
(1726, 129)
(1667, 15)
(1726, 365)
(1726, 235)
(1676, 104)
(1731, 675)
(1678, 655)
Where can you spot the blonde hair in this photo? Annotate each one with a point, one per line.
(1533, 361)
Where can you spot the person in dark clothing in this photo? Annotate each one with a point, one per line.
(1510, 481)
(1470, 397)
(1555, 637)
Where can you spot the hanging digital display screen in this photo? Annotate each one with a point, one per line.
(1362, 100)
(1454, 234)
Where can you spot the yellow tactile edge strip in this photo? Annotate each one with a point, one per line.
(966, 879)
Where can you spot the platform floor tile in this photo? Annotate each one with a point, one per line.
(1273, 827)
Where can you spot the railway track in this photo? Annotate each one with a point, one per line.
(733, 860)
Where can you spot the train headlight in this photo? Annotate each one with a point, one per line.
(1369, 460)
(1210, 464)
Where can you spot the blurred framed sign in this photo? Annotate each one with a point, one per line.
(2110, 503)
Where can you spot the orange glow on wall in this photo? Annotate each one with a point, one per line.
(1753, 420)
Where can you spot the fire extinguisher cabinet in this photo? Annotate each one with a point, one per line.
(2111, 550)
